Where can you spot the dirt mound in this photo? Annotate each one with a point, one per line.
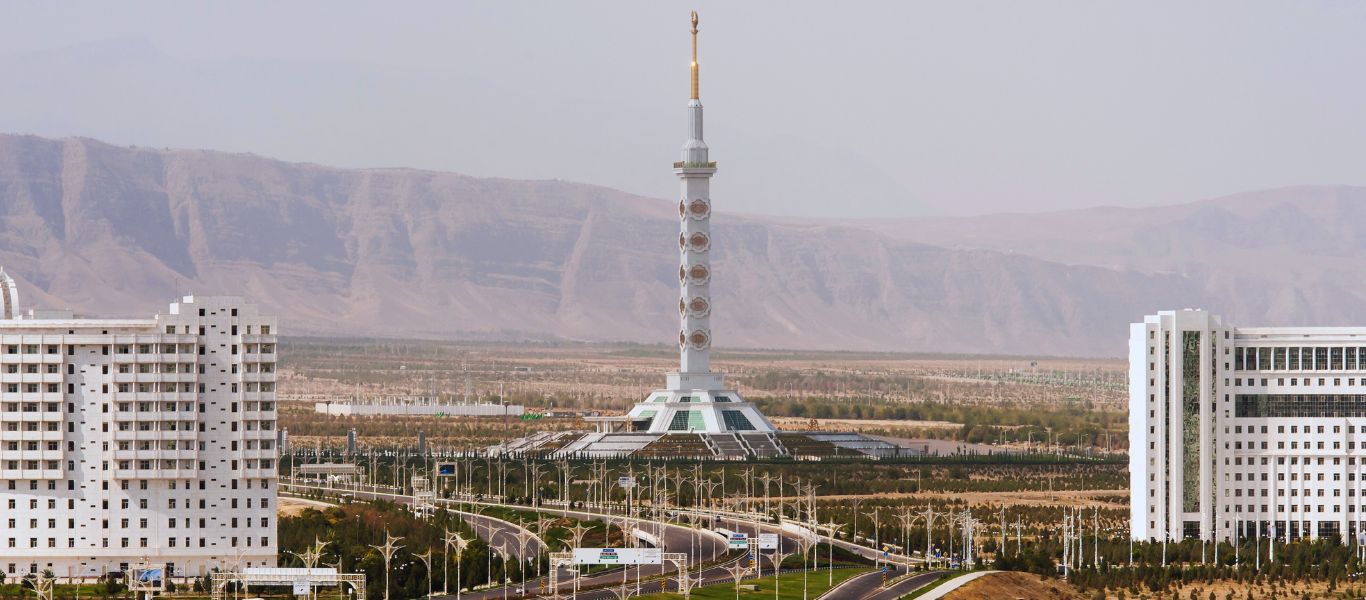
(1009, 586)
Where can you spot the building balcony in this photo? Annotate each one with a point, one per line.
(155, 473)
(32, 416)
(31, 436)
(13, 474)
(258, 453)
(258, 434)
(176, 377)
(153, 416)
(156, 454)
(258, 377)
(154, 435)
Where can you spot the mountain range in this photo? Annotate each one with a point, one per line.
(119, 231)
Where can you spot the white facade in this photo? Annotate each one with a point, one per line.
(9, 296)
(1245, 431)
(138, 439)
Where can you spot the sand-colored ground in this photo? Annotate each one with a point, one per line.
(291, 507)
(1008, 586)
(1240, 591)
(858, 424)
(1087, 498)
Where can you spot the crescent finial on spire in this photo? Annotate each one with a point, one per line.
(694, 56)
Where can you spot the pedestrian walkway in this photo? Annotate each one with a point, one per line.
(953, 584)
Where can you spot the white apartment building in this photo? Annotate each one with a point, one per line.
(132, 440)
(1245, 431)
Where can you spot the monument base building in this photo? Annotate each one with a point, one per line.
(1238, 432)
(695, 415)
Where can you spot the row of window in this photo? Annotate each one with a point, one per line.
(126, 504)
(185, 329)
(123, 543)
(191, 349)
(1313, 358)
(128, 388)
(1299, 405)
(126, 523)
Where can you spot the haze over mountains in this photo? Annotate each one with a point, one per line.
(115, 231)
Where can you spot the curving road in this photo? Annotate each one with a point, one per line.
(700, 544)
(869, 586)
(703, 546)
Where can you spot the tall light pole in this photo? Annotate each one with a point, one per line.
(928, 516)
(387, 551)
(457, 542)
(830, 558)
(777, 559)
(310, 558)
(804, 543)
(426, 558)
(524, 539)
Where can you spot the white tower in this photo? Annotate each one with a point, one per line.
(9, 297)
(696, 399)
(694, 238)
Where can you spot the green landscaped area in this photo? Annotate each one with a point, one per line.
(789, 587)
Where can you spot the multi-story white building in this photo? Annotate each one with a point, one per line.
(1234, 431)
(132, 440)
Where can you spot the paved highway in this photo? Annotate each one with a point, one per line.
(698, 544)
(703, 545)
(869, 586)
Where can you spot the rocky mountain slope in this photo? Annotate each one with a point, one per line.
(119, 231)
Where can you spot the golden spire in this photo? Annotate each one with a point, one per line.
(694, 55)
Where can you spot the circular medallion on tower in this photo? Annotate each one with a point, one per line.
(682, 241)
(698, 275)
(682, 338)
(699, 339)
(698, 307)
(698, 209)
(682, 208)
(699, 242)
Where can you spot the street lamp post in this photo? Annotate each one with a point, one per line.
(426, 558)
(830, 558)
(387, 551)
(455, 541)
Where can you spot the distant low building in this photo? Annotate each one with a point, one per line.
(414, 406)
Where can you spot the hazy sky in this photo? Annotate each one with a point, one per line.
(813, 109)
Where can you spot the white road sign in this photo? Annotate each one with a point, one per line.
(301, 588)
(618, 556)
(738, 541)
(768, 541)
(626, 482)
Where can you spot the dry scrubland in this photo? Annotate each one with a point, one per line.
(986, 404)
(1008, 586)
(990, 400)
